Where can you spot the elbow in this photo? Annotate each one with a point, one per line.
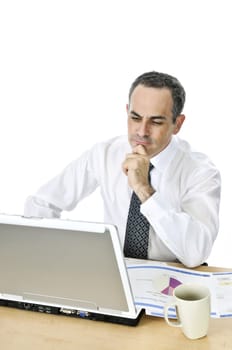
(192, 263)
(197, 257)
(194, 259)
(197, 253)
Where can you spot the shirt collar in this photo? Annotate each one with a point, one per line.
(162, 159)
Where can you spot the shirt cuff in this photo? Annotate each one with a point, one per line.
(155, 206)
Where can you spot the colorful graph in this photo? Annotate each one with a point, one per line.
(165, 284)
(173, 283)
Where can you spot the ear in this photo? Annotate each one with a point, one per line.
(127, 108)
(178, 123)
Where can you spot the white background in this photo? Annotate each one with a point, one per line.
(65, 70)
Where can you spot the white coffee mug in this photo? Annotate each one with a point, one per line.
(192, 304)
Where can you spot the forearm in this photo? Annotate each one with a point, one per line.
(36, 207)
(189, 237)
(64, 191)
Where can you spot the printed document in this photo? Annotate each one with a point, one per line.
(153, 283)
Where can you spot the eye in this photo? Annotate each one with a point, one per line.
(135, 118)
(156, 122)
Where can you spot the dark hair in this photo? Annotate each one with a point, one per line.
(163, 80)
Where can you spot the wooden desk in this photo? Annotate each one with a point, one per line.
(27, 330)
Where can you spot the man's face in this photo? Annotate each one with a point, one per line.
(150, 119)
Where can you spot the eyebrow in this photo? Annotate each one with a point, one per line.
(151, 117)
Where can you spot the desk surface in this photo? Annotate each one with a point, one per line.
(26, 330)
(29, 330)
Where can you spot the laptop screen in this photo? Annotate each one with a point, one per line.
(64, 263)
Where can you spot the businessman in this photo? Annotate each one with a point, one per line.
(162, 196)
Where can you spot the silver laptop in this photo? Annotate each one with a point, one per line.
(65, 267)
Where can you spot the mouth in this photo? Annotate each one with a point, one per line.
(144, 143)
(141, 142)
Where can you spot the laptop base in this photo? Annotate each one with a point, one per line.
(72, 313)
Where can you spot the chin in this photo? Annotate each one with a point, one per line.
(152, 152)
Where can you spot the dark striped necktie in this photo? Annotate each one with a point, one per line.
(137, 229)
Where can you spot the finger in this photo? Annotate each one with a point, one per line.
(139, 149)
(125, 167)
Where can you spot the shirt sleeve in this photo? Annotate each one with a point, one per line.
(189, 228)
(63, 192)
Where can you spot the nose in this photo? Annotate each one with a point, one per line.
(143, 128)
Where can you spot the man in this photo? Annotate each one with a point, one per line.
(178, 198)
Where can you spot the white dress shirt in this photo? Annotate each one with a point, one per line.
(183, 212)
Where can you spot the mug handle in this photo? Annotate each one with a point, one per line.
(171, 323)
